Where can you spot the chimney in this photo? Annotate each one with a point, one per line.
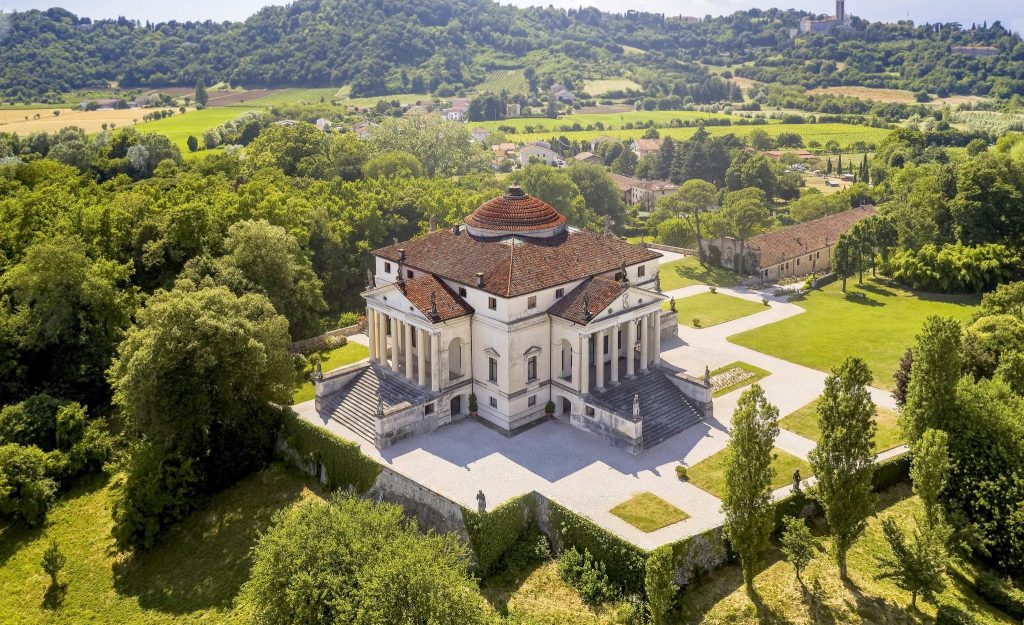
(455, 230)
(479, 279)
(401, 254)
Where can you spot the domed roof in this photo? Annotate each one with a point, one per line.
(515, 212)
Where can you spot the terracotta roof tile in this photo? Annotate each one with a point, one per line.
(515, 211)
(792, 241)
(418, 291)
(513, 266)
(598, 293)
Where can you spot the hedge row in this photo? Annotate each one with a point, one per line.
(625, 562)
(1000, 593)
(344, 463)
(493, 533)
(891, 472)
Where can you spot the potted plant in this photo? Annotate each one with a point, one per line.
(549, 408)
(681, 472)
(472, 404)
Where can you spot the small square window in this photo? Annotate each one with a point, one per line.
(531, 302)
(589, 411)
(531, 400)
(387, 267)
(408, 273)
(492, 303)
(493, 402)
(641, 271)
(429, 408)
(619, 276)
(559, 293)
(462, 291)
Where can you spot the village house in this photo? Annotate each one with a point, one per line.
(323, 125)
(596, 141)
(539, 150)
(516, 317)
(643, 147)
(588, 157)
(643, 193)
(456, 113)
(512, 109)
(561, 93)
(796, 250)
(479, 134)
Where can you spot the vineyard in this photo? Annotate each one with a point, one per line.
(609, 120)
(511, 81)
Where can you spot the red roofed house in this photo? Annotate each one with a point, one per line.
(517, 309)
(796, 250)
(643, 147)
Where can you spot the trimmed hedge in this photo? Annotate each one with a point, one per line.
(625, 563)
(494, 532)
(344, 463)
(891, 472)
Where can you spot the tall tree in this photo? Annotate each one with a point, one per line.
(843, 460)
(659, 584)
(201, 96)
(928, 473)
(916, 565)
(934, 372)
(844, 259)
(749, 515)
(798, 544)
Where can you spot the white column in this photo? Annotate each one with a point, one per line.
(382, 330)
(396, 340)
(630, 345)
(371, 332)
(585, 364)
(656, 360)
(644, 338)
(613, 348)
(599, 360)
(407, 343)
(421, 356)
(435, 362)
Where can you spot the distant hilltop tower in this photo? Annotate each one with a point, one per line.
(840, 10)
(810, 25)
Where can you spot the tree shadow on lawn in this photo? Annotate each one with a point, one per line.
(862, 299)
(54, 597)
(202, 563)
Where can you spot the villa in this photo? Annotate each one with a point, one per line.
(506, 316)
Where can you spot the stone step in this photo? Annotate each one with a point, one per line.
(355, 405)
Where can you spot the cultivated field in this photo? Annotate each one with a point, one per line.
(178, 127)
(892, 95)
(283, 97)
(511, 81)
(14, 120)
(610, 120)
(604, 85)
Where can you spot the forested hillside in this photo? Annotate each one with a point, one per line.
(393, 46)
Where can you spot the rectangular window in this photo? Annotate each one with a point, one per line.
(462, 291)
(619, 276)
(531, 302)
(531, 400)
(589, 411)
(531, 369)
(492, 303)
(798, 262)
(493, 402)
(408, 273)
(387, 267)
(817, 254)
(641, 271)
(428, 409)
(492, 370)
(559, 293)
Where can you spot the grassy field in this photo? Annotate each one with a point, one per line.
(329, 361)
(757, 371)
(542, 125)
(604, 85)
(541, 597)
(709, 309)
(294, 96)
(721, 599)
(709, 474)
(404, 98)
(192, 577)
(511, 81)
(688, 271)
(805, 423)
(178, 127)
(878, 328)
(648, 512)
(13, 120)
(892, 95)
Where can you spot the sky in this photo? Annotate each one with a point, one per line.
(1010, 12)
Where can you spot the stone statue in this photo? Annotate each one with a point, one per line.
(370, 282)
(707, 376)
(796, 481)
(607, 226)
(433, 224)
(380, 407)
(481, 502)
(586, 306)
(433, 305)
(622, 270)
(318, 373)
(657, 283)
(672, 304)
(636, 407)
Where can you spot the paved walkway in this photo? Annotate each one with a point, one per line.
(585, 474)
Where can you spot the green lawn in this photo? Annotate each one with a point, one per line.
(757, 371)
(805, 423)
(688, 271)
(293, 96)
(709, 474)
(720, 598)
(709, 309)
(329, 361)
(878, 328)
(179, 126)
(191, 577)
(648, 512)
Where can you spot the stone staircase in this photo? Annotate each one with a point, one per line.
(663, 407)
(355, 405)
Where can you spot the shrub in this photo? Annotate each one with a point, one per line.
(696, 322)
(623, 561)
(953, 267)
(344, 464)
(26, 491)
(586, 575)
(347, 319)
(764, 300)
(30, 422)
(891, 472)
(472, 403)
(53, 561)
(1000, 593)
(549, 407)
(531, 548)
(952, 615)
(713, 288)
(681, 472)
(493, 533)
(334, 342)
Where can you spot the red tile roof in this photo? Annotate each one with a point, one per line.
(648, 145)
(513, 266)
(515, 212)
(419, 290)
(592, 296)
(792, 241)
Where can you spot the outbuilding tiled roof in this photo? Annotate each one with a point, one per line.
(587, 300)
(648, 145)
(790, 242)
(419, 290)
(513, 266)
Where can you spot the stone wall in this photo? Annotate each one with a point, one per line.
(669, 324)
(671, 248)
(303, 346)
(431, 510)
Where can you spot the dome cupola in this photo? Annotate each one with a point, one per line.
(515, 213)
